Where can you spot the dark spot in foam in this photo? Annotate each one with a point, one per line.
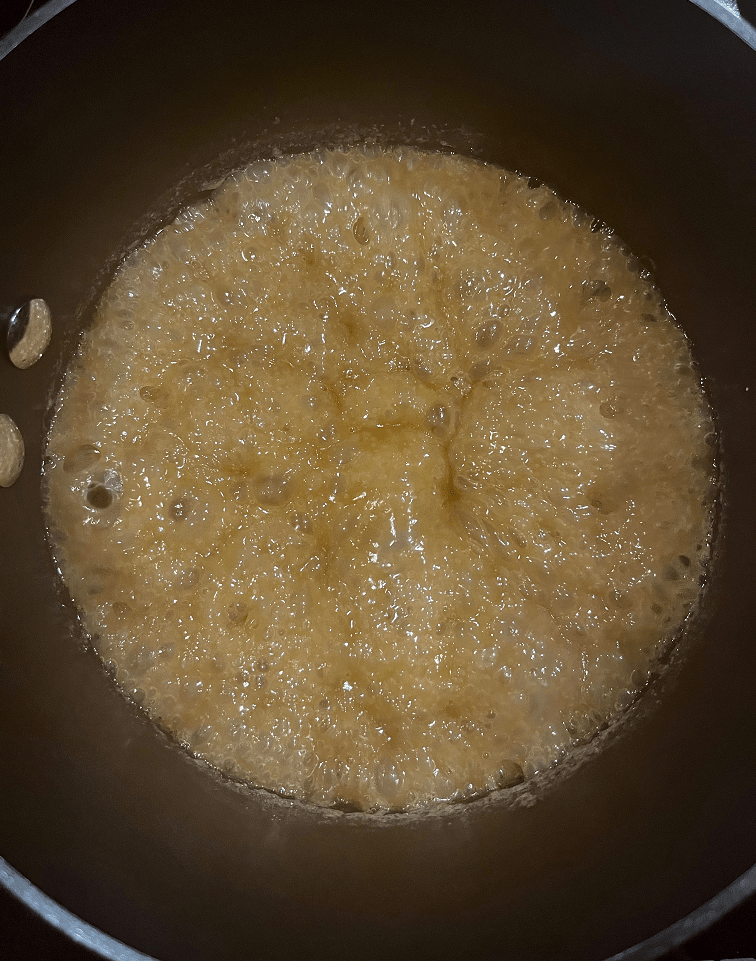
(272, 489)
(180, 509)
(99, 497)
(487, 335)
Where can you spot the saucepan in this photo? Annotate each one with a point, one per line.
(114, 115)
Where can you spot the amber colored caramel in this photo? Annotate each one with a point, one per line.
(381, 478)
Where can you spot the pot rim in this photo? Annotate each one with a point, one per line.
(110, 948)
(727, 12)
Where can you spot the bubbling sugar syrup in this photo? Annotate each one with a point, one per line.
(381, 479)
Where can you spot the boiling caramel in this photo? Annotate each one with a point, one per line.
(381, 478)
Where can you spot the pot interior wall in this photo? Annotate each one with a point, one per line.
(646, 118)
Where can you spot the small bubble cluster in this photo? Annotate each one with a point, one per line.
(382, 478)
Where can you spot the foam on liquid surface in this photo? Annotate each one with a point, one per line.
(381, 478)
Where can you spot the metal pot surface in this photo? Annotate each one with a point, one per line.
(114, 115)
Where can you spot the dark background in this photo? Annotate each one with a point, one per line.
(11, 12)
(23, 936)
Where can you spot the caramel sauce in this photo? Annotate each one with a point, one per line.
(381, 478)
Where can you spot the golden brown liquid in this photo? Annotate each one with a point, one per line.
(381, 478)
